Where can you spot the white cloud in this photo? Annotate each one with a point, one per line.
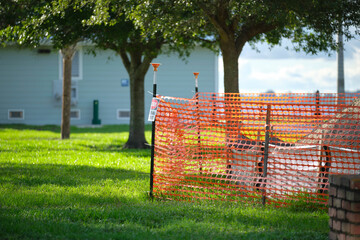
(286, 74)
(296, 74)
(352, 67)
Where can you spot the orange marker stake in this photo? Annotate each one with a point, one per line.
(196, 74)
(155, 66)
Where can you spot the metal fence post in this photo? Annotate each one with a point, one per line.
(266, 150)
(155, 66)
(196, 74)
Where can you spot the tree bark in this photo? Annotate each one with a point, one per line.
(137, 115)
(67, 54)
(231, 53)
(137, 69)
(231, 75)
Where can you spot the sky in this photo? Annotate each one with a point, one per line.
(284, 70)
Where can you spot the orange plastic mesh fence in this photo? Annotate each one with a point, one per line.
(269, 148)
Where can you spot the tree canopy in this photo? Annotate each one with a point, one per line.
(112, 28)
(59, 22)
(230, 24)
(138, 29)
(113, 25)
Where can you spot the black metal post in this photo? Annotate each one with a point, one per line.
(266, 151)
(317, 99)
(196, 74)
(155, 65)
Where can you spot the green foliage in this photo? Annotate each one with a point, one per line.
(88, 187)
(38, 21)
(113, 29)
(181, 24)
(116, 25)
(309, 24)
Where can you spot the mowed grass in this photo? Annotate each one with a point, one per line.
(88, 187)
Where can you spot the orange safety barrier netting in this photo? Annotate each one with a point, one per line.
(269, 148)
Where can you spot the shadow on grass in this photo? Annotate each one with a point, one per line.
(51, 128)
(114, 147)
(117, 146)
(74, 129)
(158, 221)
(63, 175)
(49, 201)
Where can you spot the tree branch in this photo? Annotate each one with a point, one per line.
(251, 30)
(215, 21)
(125, 59)
(146, 63)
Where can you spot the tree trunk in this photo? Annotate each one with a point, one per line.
(137, 126)
(136, 68)
(231, 82)
(231, 67)
(67, 54)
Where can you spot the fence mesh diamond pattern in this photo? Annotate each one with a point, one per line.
(267, 148)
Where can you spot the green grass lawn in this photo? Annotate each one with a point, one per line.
(89, 188)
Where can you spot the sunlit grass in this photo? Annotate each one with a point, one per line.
(88, 187)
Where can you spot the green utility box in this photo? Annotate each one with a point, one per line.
(96, 120)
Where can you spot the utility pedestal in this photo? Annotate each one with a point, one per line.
(96, 120)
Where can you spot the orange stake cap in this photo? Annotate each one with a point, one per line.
(155, 66)
(196, 74)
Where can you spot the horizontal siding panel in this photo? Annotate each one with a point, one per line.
(22, 89)
(27, 83)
